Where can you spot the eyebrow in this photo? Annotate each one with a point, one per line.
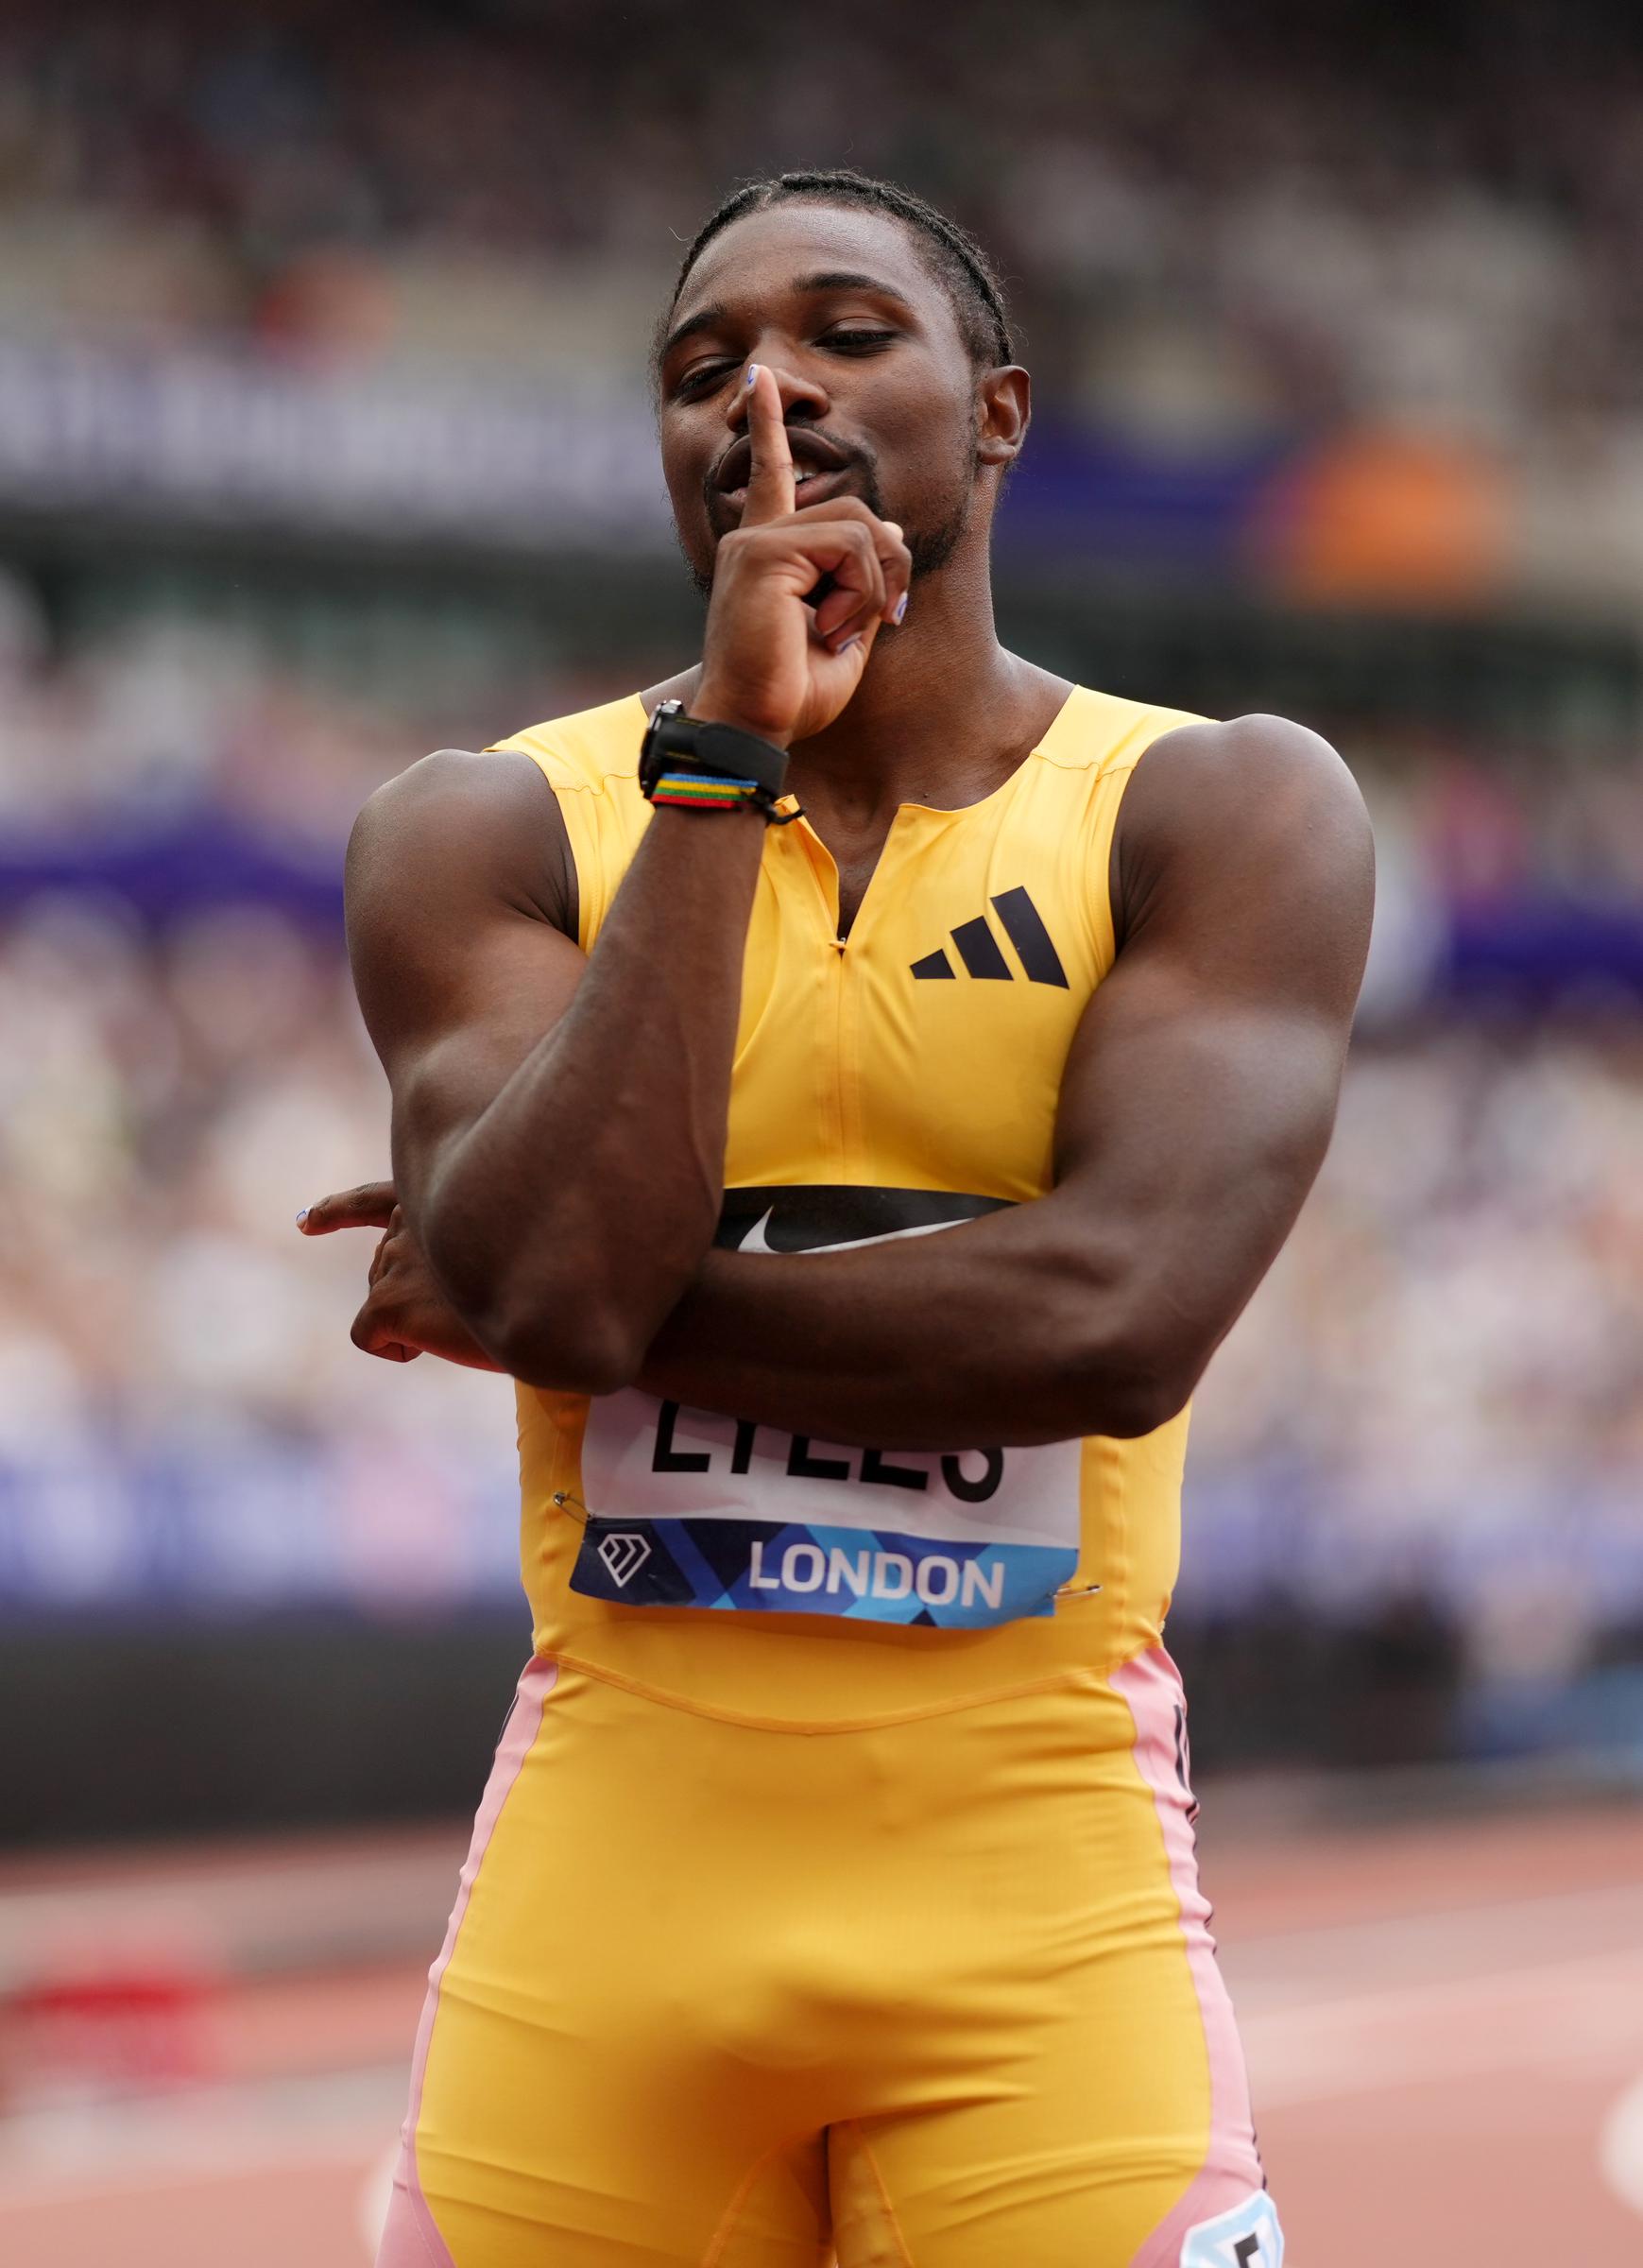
(710, 317)
(843, 280)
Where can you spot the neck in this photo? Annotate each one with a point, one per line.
(942, 713)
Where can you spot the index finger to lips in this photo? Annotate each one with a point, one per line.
(770, 484)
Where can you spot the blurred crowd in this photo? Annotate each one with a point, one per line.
(1214, 218)
(1437, 1397)
(1426, 1431)
(1238, 235)
(1440, 1386)
(1439, 1391)
(140, 721)
(182, 1421)
(152, 716)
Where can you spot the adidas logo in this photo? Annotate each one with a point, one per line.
(983, 955)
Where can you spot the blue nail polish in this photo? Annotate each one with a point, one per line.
(902, 606)
(752, 372)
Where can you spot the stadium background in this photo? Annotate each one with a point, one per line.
(324, 439)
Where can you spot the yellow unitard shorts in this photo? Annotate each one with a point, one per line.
(936, 1992)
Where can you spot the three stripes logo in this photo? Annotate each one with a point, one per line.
(983, 955)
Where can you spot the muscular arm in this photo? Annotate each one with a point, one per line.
(558, 1123)
(1195, 1112)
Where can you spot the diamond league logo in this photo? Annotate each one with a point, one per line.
(1248, 2236)
(624, 1554)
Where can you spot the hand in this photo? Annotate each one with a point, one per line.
(404, 1313)
(772, 664)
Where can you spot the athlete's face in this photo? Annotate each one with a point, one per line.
(883, 400)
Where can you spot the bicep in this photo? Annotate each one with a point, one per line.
(1201, 1089)
(453, 892)
(1191, 1134)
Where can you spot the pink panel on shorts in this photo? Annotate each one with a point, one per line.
(1151, 1685)
(411, 2236)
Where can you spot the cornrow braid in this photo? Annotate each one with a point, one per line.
(958, 260)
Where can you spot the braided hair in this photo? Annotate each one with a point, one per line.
(954, 256)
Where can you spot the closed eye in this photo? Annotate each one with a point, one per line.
(699, 379)
(857, 341)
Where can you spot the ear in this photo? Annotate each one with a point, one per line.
(1005, 410)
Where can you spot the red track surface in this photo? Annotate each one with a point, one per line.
(1439, 2022)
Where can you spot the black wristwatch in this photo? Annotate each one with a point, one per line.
(683, 748)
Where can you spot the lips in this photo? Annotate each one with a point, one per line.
(815, 488)
(813, 456)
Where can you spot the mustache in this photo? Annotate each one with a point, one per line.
(859, 463)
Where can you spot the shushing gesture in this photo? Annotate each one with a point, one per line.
(778, 661)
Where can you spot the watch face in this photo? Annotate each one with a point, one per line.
(657, 742)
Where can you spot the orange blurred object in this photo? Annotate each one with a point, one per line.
(1386, 517)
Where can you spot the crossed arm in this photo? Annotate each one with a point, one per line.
(1195, 1110)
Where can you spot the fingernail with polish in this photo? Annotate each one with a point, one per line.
(901, 607)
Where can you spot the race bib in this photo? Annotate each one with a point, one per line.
(685, 1508)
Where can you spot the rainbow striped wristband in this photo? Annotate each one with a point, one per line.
(703, 791)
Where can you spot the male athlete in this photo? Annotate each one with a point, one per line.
(853, 1103)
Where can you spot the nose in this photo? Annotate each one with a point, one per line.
(804, 401)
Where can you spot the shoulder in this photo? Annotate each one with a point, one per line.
(456, 826)
(454, 789)
(1249, 756)
(1227, 825)
(1254, 785)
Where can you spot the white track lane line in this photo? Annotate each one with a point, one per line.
(1526, 2019)
(375, 2198)
(1404, 1948)
(1620, 2147)
(69, 2152)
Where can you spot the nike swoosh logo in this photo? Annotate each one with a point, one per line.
(757, 1241)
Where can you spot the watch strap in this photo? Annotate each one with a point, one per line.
(676, 742)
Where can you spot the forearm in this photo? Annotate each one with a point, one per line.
(1194, 1111)
(1000, 1332)
(564, 1222)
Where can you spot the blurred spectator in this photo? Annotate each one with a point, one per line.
(1215, 219)
(1393, 286)
(182, 1419)
(156, 714)
(1439, 1392)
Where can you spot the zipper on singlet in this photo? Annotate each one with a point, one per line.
(834, 978)
(844, 994)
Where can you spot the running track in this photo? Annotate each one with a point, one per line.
(1444, 2023)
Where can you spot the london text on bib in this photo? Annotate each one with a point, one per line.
(685, 1508)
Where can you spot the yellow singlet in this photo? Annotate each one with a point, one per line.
(902, 1079)
(833, 1895)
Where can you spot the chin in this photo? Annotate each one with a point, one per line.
(698, 565)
